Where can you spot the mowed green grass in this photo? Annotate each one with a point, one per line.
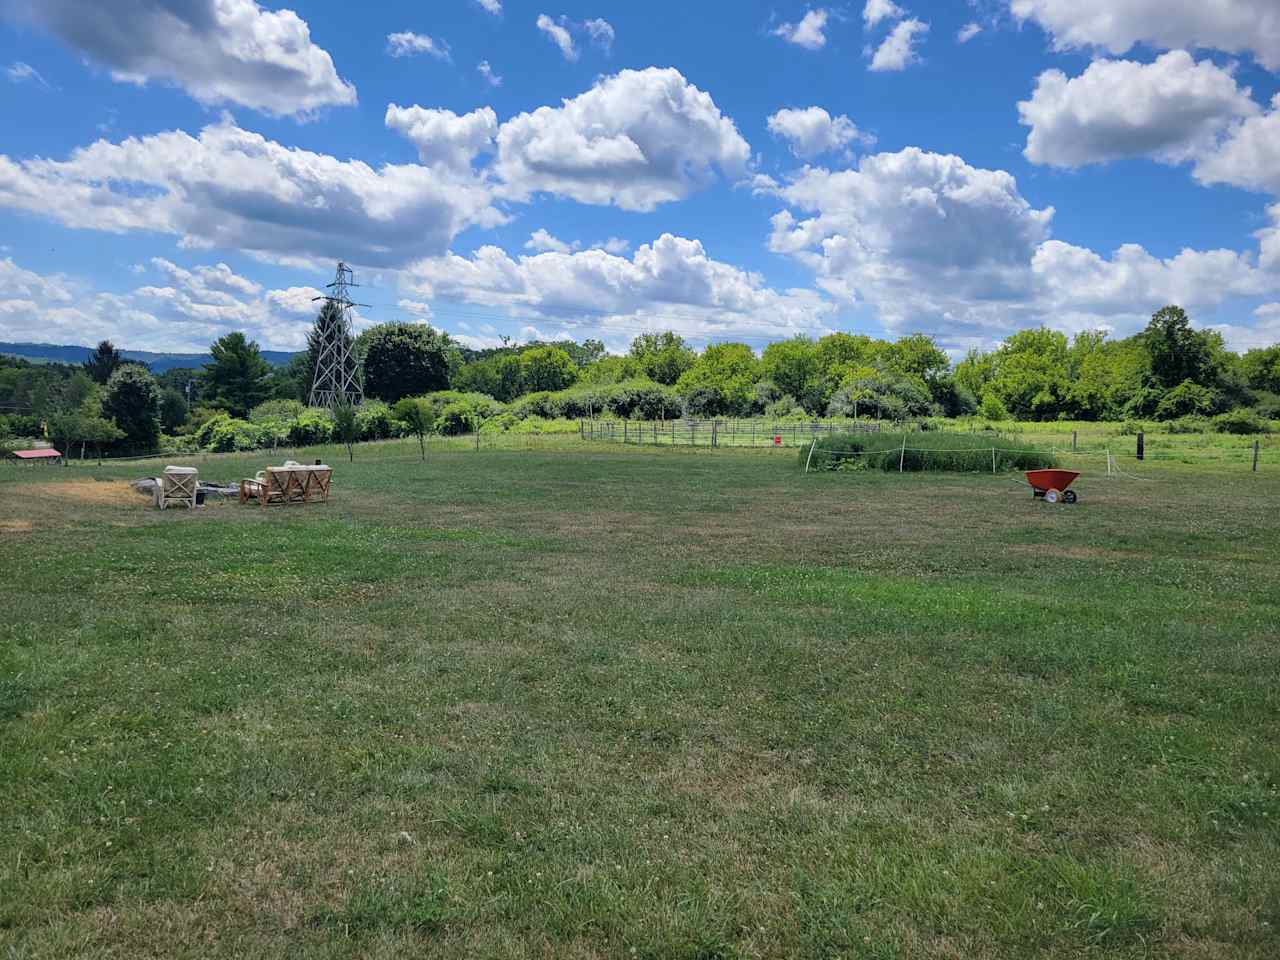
(620, 702)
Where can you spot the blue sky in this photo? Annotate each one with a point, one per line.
(174, 169)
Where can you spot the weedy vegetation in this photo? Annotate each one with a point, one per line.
(928, 450)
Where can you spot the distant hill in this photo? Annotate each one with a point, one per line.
(158, 362)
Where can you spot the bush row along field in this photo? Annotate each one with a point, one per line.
(602, 701)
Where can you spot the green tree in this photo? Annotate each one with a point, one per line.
(662, 357)
(173, 410)
(407, 359)
(1261, 368)
(346, 427)
(916, 356)
(793, 366)
(237, 378)
(1178, 353)
(610, 370)
(415, 414)
(547, 368)
(729, 371)
(103, 362)
(1031, 374)
(132, 400)
(100, 432)
(501, 377)
(839, 353)
(65, 429)
(975, 371)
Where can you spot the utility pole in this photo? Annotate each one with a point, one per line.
(337, 376)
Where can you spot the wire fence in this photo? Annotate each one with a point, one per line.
(719, 433)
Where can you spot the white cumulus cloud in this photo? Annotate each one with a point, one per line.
(488, 73)
(1248, 156)
(968, 32)
(444, 138)
(1235, 26)
(808, 32)
(1172, 109)
(671, 283)
(898, 51)
(491, 6)
(938, 246)
(634, 140)
(541, 241)
(812, 131)
(878, 10)
(238, 190)
(219, 51)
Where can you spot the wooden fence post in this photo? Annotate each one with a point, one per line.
(1255, 456)
(624, 431)
(903, 455)
(715, 424)
(1073, 441)
(1141, 444)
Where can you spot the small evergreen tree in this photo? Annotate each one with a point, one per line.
(237, 377)
(103, 362)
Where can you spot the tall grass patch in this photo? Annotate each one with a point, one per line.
(957, 452)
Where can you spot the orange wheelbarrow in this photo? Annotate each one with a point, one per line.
(1052, 485)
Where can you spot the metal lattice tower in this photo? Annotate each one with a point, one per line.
(337, 376)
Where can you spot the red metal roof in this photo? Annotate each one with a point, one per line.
(36, 454)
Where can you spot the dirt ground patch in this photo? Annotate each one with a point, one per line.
(81, 491)
(15, 526)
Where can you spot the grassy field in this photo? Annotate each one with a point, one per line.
(606, 701)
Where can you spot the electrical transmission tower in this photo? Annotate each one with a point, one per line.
(337, 376)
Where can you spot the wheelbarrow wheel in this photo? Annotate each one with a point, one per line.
(1051, 496)
(1068, 496)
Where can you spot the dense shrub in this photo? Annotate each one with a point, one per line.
(1240, 422)
(702, 402)
(641, 400)
(374, 420)
(228, 435)
(784, 407)
(1266, 404)
(936, 451)
(1189, 424)
(276, 410)
(313, 426)
(457, 417)
(543, 403)
(1186, 399)
(500, 424)
(993, 408)
(480, 404)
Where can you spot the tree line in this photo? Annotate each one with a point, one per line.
(417, 380)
